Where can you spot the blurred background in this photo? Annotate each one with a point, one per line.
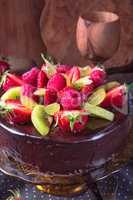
(21, 29)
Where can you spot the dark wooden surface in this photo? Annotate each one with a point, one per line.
(19, 28)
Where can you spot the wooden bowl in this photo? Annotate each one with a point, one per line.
(98, 35)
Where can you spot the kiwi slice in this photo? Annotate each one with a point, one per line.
(97, 97)
(28, 102)
(41, 120)
(12, 93)
(110, 85)
(51, 109)
(99, 112)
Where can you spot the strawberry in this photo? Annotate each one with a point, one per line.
(115, 97)
(87, 91)
(98, 76)
(50, 96)
(70, 98)
(74, 120)
(56, 82)
(30, 77)
(42, 79)
(16, 79)
(73, 75)
(11, 81)
(4, 66)
(15, 112)
(63, 68)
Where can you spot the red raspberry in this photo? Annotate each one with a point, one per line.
(50, 96)
(42, 79)
(3, 67)
(98, 76)
(63, 68)
(30, 77)
(28, 90)
(70, 98)
(56, 82)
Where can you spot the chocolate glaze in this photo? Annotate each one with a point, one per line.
(62, 154)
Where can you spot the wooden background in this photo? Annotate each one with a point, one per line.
(59, 23)
(20, 31)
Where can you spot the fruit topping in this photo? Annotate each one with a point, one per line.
(115, 97)
(50, 96)
(49, 68)
(10, 80)
(15, 112)
(81, 83)
(70, 99)
(72, 121)
(97, 97)
(111, 85)
(63, 68)
(99, 112)
(87, 91)
(40, 92)
(42, 79)
(85, 71)
(53, 108)
(60, 95)
(12, 93)
(57, 82)
(41, 120)
(4, 66)
(31, 76)
(73, 75)
(27, 97)
(98, 76)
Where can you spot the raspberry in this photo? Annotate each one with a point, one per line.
(98, 76)
(56, 82)
(28, 90)
(70, 98)
(31, 76)
(50, 96)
